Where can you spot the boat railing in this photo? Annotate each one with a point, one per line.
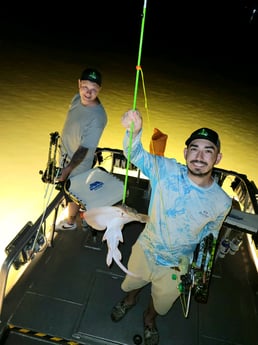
(243, 216)
(18, 250)
(245, 189)
(118, 159)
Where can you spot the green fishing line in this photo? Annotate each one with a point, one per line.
(135, 98)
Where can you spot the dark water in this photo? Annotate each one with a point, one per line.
(186, 86)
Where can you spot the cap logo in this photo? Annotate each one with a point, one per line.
(203, 132)
(93, 75)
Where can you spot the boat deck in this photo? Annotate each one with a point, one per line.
(67, 293)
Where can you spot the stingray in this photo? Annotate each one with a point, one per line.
(112, 219)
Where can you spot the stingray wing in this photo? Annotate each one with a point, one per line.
(113, 219)
(99, 218)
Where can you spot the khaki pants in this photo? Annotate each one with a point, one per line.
(164, 289)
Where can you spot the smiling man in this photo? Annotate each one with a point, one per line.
(84, 125)
(201, 154)
(186, 205)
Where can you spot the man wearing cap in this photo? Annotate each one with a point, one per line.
(186, 205)
(84, 125)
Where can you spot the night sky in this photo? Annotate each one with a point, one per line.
(222, 29)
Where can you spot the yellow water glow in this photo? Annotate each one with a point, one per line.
(36, 90)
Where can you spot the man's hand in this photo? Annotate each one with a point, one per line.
(77, 158)
(64, 174)
(135, 117)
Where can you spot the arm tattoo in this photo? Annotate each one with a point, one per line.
(78, 156)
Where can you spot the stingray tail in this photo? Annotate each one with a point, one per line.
(123, 268)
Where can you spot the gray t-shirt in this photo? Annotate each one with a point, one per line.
(83, 127)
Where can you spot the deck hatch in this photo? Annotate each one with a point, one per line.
(96, 326)
(52, 316)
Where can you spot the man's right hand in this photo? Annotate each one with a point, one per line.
(135, 117)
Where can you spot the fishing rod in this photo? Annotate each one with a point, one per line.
(138, 68)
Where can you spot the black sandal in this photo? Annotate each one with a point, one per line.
(120, 310)
(151, 335)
